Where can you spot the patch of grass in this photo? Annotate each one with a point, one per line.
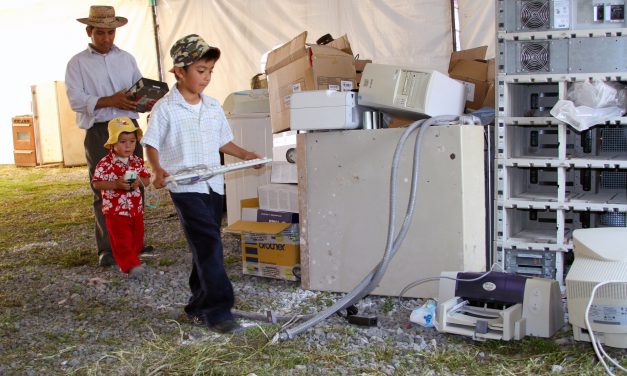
(529, 356)
(70, 258)
(166, 262)
(9, 299)
(223, 355)
(41, 206)
(388, 305)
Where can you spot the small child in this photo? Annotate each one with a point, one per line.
(119, 175)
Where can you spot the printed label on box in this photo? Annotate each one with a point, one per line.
(334, 87)
(347, 85)
(296, 88)
(469, 88)
(287, 101)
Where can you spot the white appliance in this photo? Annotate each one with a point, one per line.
(247, 101)
(403, 90)
(57, 138)
(600, 256)
(323, 109)
(252, 131)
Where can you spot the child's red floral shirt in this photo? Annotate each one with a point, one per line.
(119, 201)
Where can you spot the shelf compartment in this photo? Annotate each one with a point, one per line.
(527, 228)
(534, 184)
(543, 264)
(529, 141)
(529, 99)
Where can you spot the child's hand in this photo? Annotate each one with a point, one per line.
(122, 184)
(135, 184)
(160, 175)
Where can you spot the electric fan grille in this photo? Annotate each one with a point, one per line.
(534, 14)
(534, 57)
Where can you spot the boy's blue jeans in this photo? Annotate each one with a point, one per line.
(212, 293)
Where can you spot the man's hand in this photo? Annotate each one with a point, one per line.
(118, 100)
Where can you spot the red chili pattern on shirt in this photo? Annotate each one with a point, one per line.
(119, 201)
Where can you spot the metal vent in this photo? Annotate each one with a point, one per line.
(534, 15)
(534, 57)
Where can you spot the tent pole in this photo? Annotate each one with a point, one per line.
(155, 25)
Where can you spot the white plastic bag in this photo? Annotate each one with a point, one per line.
(590, 103)
(424, 315)
(583, 117)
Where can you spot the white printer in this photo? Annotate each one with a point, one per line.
(323, 109)
(499, 306)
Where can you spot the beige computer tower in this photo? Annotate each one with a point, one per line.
(344, 194)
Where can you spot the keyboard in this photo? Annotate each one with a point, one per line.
(200, 173)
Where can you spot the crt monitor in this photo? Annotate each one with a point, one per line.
(600, 256)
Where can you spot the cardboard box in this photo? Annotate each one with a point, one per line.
(470, 67)
(296, 67)
(269, 249)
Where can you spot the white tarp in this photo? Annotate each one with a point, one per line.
(39, 37)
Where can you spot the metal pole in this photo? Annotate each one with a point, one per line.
(155, 25)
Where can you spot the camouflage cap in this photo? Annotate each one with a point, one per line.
(189, 49)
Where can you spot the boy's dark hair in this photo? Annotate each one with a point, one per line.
(212, 54)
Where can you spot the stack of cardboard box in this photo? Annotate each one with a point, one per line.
(477, 74)
(269, 225)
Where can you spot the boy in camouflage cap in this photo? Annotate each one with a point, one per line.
(188, 128)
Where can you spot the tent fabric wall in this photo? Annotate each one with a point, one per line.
(39, 37)
(477, 20)
(401, 32)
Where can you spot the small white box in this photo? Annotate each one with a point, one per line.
(279, 197)
(323, 109)
(284, 172)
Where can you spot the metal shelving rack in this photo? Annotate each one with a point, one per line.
(549, 178)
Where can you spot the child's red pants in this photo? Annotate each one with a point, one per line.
(127, 239)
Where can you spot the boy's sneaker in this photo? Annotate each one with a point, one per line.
(136, 273)
(106, 259)
(226, 326)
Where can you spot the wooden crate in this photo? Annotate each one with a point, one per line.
(24, 146)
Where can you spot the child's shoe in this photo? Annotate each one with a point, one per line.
(136, 273)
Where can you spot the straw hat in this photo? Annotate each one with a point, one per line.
(103, 16)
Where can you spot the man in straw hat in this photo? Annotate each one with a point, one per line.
(96, 80)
